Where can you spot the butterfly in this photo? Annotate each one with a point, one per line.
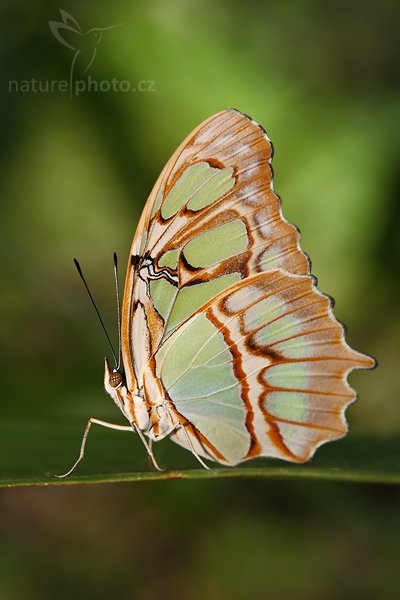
(228, 347)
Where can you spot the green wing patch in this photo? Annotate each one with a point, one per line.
(198, 186)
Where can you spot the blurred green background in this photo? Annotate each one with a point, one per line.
(322, 78)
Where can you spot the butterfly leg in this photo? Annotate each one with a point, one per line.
(147, 446)
(149, 461)
(189, 441)
(88, 426)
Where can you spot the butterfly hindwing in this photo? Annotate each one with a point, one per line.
(261, 370)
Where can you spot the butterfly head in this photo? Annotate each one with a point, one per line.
(114, 382)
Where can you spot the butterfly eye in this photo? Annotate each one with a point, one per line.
(115, 379)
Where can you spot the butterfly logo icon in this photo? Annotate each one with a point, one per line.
(84, 43)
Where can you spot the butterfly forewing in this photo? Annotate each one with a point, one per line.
(211, 220)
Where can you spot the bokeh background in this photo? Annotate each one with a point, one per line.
(74, 175)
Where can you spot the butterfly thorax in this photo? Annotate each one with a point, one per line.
(153, 419)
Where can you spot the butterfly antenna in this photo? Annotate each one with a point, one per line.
(78, 267)
(118, 309)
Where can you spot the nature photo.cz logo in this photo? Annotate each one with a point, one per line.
(84, 45)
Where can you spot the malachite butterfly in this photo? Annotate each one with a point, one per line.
(228, 347)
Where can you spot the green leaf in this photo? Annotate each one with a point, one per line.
(33, 452)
